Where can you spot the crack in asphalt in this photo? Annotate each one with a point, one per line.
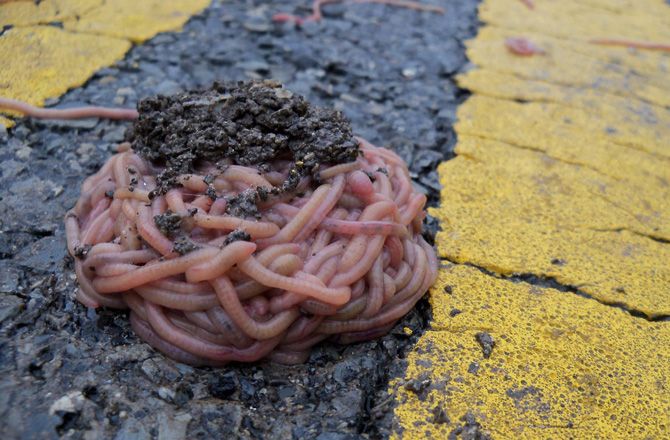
(569, 84)
(553, 283)
(632, 231)
(537, 150)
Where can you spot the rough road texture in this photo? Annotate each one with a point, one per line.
(69, 372)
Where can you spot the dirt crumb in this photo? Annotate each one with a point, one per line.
(249, 123)
(487, 343)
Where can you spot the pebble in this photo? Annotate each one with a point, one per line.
(166, 394)
(168, 87)
(257, 25)
(126, 91)
(10, 305)
(115, 134)
(173, 427)
(133, 429)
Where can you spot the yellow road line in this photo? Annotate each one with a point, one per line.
(563, 366)
(41, 61)
(562, 172)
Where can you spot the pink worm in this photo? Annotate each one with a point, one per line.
(72, 113)
(317, 15)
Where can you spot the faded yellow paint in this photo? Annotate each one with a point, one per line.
(577, 20)
(563, 366)
(562, 172)
(558, 65)
(30, 13)
(8, 123)
(40, 61)
(514, 210)
(137, 20)
(648, 123)
(45, 61)
(574, 136)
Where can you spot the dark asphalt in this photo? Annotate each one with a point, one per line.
(69, 372)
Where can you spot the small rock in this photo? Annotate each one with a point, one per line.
(115, 134)
(71, 402)
(487, 343)
(440, 416)
(24, 152)
(182, 395)
(107, 79)
(168, 87)
(162, 39)
(254, 66)
(133, 429)
(348, 405)
(166, 394)
(21, 132)
(173, 428)
(86, 149)
(223, 387)
(426, 160)
(10, 305)
(335, 10)
(9, 278)
(126, 91)
(330, 435)
(409, 72)
(257, 24)
(45, 254)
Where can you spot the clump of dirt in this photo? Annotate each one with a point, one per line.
(250, 122)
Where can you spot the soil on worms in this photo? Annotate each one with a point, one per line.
(249, 122)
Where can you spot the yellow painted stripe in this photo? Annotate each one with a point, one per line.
(563, 367)
(40, 61)
(563, 172)
(45, 61)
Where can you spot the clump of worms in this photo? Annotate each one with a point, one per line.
(197, 231)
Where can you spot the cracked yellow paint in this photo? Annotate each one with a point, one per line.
(562, 172)
(563, 366)
(28, 13)
(41, 61)
(558, 65)
(514, 210)
(648, 123)
(572, 135)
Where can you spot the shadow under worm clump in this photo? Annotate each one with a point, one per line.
(250, 123)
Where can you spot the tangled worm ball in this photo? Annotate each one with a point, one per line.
(340, 256)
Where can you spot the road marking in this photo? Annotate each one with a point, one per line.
(563, 173)
(51, 46)
(563, 366)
